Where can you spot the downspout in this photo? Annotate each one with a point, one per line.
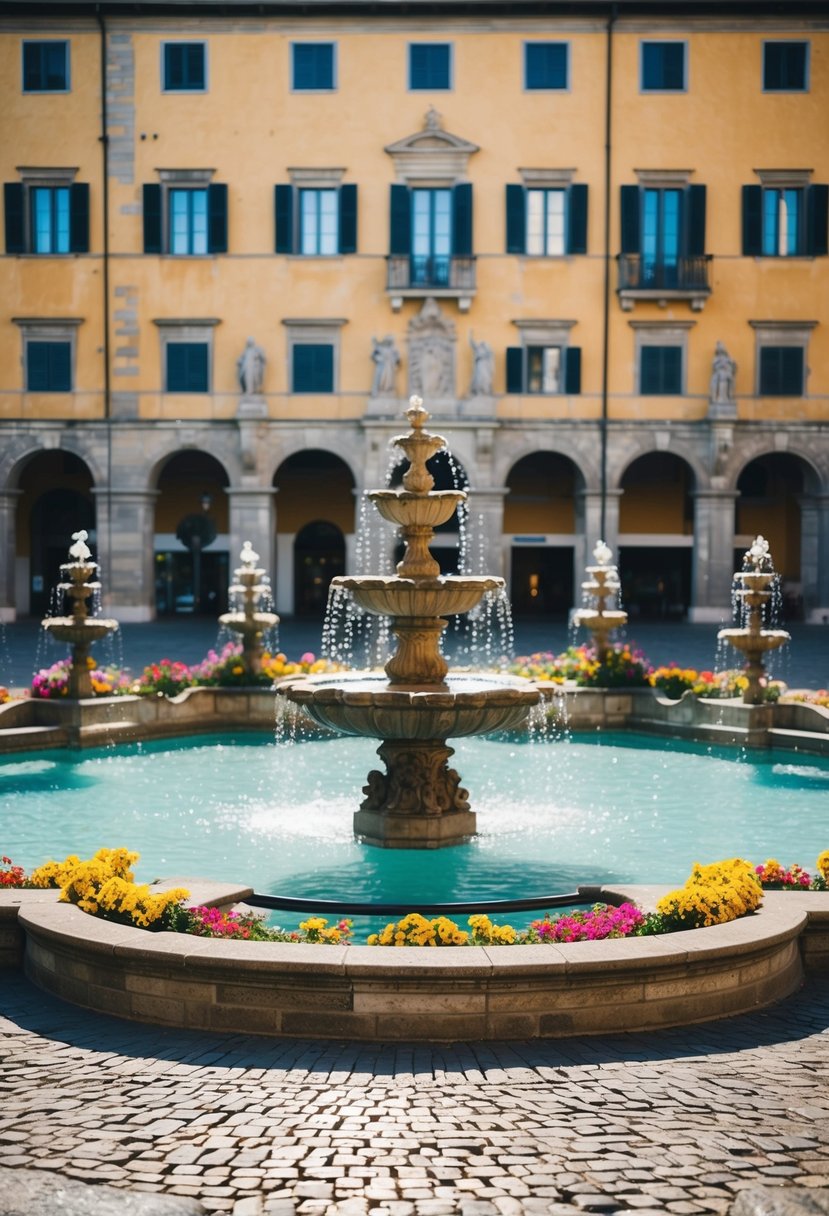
(104, 141)
(607, 286)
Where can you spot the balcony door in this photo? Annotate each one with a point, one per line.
(661, 237)
(431, 237)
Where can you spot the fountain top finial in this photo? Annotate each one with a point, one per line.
(603, 553)
(419, 445)
(758, 556)
(248, 557)
(80, 550)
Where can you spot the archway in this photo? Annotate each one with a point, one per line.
(311, 547)
(56, 500)
(191, 536)
(656, 536)
(770, 489)
(540, 522)
(319, 556)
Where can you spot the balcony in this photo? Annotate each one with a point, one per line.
(412, 277)
(685, 279)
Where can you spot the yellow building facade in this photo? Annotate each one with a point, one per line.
(237, 237)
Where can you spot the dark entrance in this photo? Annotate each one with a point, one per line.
(542, 580)
(319, 555)
(55, 516)
(656, 582)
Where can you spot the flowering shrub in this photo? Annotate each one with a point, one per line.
(774, 877)
(12, 876)
(250, 926)
(600, 922)
(104, 885)
(5, 695)
(166, 679)
(819, 697)
(53, 681)
(485, 933)
(673, 681)
(417, 930)
(223, 669)
(622, 667)
(712, 895)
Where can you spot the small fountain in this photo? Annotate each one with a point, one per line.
(418, 802)
(249, 620)
(601, 585)
(754, 589)
(79, 629)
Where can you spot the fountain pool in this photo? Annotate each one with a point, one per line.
(552, 814)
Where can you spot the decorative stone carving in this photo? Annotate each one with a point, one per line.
(417, 780)
(250, 368)
(723, 377)
(431, 353)
(386, 359)
(483, 368)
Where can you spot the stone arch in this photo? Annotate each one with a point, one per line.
(190, 533)
(512, 449)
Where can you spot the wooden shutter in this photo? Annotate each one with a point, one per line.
(462, 219)
(577, 219)
(817, 220)
(572, 370)
(400, 221)
(752, 221)
(630, 219)
(348, 218)
(284, 218)
(695, 232)
(217, 218)
(152, 218)
(79, 217)
(515, 369)
(516, 219)
(13, 200)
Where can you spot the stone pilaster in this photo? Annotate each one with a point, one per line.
(253, 518)
(589, 531)
(125, 530)
(814, 557)
(713, 556)
(8, 551)
(485, 540)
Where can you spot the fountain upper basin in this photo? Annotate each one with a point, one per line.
(368, 705)
(90, 629)
(419, 510)
(406, 597)
(763, 639)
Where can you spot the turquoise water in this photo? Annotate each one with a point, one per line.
(550, 814)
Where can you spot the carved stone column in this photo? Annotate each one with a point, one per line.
(125, 525)
(418, 803)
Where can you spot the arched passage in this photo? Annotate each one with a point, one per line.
(315, 515)
(541, 513)
(56, 499)
(191, 535)
(656, 536)
(770, 491)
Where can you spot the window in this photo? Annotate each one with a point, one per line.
(186, 214)
(45, 67)
(660, 370)
(184, 67)
(546, 221)
(312, 368)
(780, 371)
(431, 236)
(319, 219)
(663, 67)
(546, 363)
(187, 367)
(48, 353)
(663, 237)
(313, 67)
(785, 216)
(782, 222)
(430, 66)
(785, 67)
(50, 219)
(47, 213)
(546, 65)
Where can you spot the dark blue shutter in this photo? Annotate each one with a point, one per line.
(515, 369)
(462, 219)
(284, 212)
(173, 66)
(197, 367)
(572, 370)
(696, 221)
(217, 218)
(817, 220)
(752, 221)
(348, 218)
(630, 219)
(15, 227)
(79, 217)
(313, 367)
(60, 376)
(400, 221)
(176, 367)
(577, 219)
(194, 75)
(37, 367)
(152, 218)
(781, 371)
(516, 219)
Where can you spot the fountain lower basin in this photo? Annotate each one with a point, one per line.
(447, 595)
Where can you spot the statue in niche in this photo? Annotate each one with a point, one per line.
(483, 368)
(250, 368)
(386, 360)
(431, 353)
(723, 376)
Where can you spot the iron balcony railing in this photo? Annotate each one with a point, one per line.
(411, 271)
(685, 274)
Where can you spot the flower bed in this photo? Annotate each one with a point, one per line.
(622, 667)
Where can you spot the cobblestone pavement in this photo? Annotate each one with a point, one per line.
(675, 1121)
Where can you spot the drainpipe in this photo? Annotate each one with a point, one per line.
(607, 286)
(104, 142)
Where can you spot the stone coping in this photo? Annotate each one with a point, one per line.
(449, 993)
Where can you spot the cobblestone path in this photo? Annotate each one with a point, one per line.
(675, 1121)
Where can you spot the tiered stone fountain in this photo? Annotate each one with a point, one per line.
(754, 589)
(249, 619)
(79, 629)
(418, 802)
(601, 585)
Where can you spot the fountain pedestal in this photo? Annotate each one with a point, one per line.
(79, 630)
(754, 591)
(419, 802)
(250, 622)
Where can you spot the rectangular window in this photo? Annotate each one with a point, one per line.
(543, 369)
(184, 67)
(318, 221)
(431, 237)
(48, 367)
(187, 367)
(663, 67)
(312, 67)
(661, 237)
(188, 221)
(430, 66)
(781, 371)
(545, 222)
(782, 222)
(312, 367)
(660, 371)
(785, 67)
(546, 65)
(45, 67)
(50, 219)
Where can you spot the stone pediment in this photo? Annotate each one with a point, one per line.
(431, 153)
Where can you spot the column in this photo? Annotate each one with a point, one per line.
(253, 517)
(814, 557)
(713, 556)
(485, 542)
(588, 531)
(125, 525)
(8, 555)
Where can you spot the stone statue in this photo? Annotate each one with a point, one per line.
(431, 353)
(723, 374)
(250, 367)
(386, 362)
(483, 368)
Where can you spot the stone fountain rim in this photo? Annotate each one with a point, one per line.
(332, 688)
(380, 582)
